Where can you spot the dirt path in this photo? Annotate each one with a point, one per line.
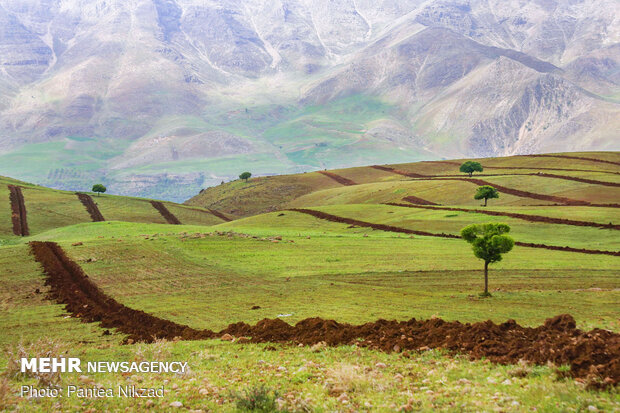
(593, 356)
(581, 158)
(340, 179)
(168, 216)
(91, 207)
(18, 211)
(389, 228)
(525, 217)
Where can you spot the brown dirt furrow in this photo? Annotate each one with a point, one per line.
(577, 179)
(550, 169)
(381, 227)
(525, 217)
(526, 194)
(18, 211)
(418, 201)
(211, 212)
(340, 179)
(399, 172)
(506, 190)
(91, 207)
(581, 158)
(593, 356)
(220, 215)
(168, 216)
(69, 285)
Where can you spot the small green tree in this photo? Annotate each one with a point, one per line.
(489, 244)
(486, 192)
(99, 188)
(470, 167)
(245, 176)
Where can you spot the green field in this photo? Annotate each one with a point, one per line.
(291, 265)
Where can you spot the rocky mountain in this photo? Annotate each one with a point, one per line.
(164, 97)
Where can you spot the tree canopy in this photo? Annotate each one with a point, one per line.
(99, 188)
(470, 167)
(486, 192)
(245, 176)
(488, 243)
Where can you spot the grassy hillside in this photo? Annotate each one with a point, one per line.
(291, 265)
(438, 182)
(49, 208)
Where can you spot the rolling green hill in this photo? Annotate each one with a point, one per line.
(353, 245)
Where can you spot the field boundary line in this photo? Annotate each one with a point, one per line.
(525, 217)
(581, 158)
(390, 228)
(500, 188)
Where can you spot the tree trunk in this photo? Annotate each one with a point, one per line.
(486, 278)
(485, 201)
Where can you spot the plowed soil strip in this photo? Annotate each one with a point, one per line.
(340, 179)
(18, 211)
(210, 212)
(399, 172)
(381, 227)
(418, 201)
(220, 215)
(593, 356)
(168, 216)
(500, 188)
(91, 207)
(550, 169)
(69, 285)
(389, 228)
(525, 217)
(577, 179)
(581, 158)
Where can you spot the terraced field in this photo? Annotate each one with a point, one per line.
(44, 209)
(354, 246)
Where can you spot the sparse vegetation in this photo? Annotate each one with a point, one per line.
(486, 192)
(259, 399)
(489, 243)
(99, 189)
(470, 167)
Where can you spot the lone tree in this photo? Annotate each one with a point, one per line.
(99, 189)
(489, 244)
(470, 167)
(245, 176)
(486, 192)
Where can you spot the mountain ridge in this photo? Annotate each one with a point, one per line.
(165, 97)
